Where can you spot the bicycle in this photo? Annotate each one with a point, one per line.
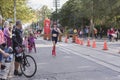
(28, 64)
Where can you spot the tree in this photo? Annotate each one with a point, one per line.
(92, 12)
(23, 12)
(43, 13)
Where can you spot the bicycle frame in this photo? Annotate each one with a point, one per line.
(24, 60)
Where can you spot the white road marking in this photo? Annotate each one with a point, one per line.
(95, 60)
(43, 45)
(61, 49)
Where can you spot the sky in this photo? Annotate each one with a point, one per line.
(35, 4)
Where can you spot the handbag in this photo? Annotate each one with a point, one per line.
(19, 49)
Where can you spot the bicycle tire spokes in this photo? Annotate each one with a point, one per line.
(29, 66)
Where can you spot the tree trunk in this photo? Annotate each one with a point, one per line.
(91, 32)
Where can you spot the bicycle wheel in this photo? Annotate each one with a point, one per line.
(28, 66)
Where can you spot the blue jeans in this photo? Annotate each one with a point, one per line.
(1, 55)
(7, 50)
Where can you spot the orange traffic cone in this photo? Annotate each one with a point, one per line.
(105, 46)
(79, 41)
(66, 40)
(76, 40)
(94, 44)
(82, 42)
(88, 43)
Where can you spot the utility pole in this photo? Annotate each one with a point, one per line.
(56, 9)
(14, 10)
(56, 5)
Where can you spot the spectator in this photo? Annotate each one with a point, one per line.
(117, 34)
(2, 42)
(87, 31)
(101, 33)
(7, 33)
(75, 31)
(108, 34)
(95, 32)
(31, 42)
(2, 53)
(17, 41)
(25, 43)
(81, 34)
(112, 34)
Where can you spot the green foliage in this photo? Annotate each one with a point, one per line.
(80, 12)
(23, 12)
(43, 13)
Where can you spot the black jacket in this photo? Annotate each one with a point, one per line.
(17, 37)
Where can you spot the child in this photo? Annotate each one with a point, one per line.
(31, 42)
(25, 43)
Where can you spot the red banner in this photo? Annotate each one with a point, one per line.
(47, 26)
